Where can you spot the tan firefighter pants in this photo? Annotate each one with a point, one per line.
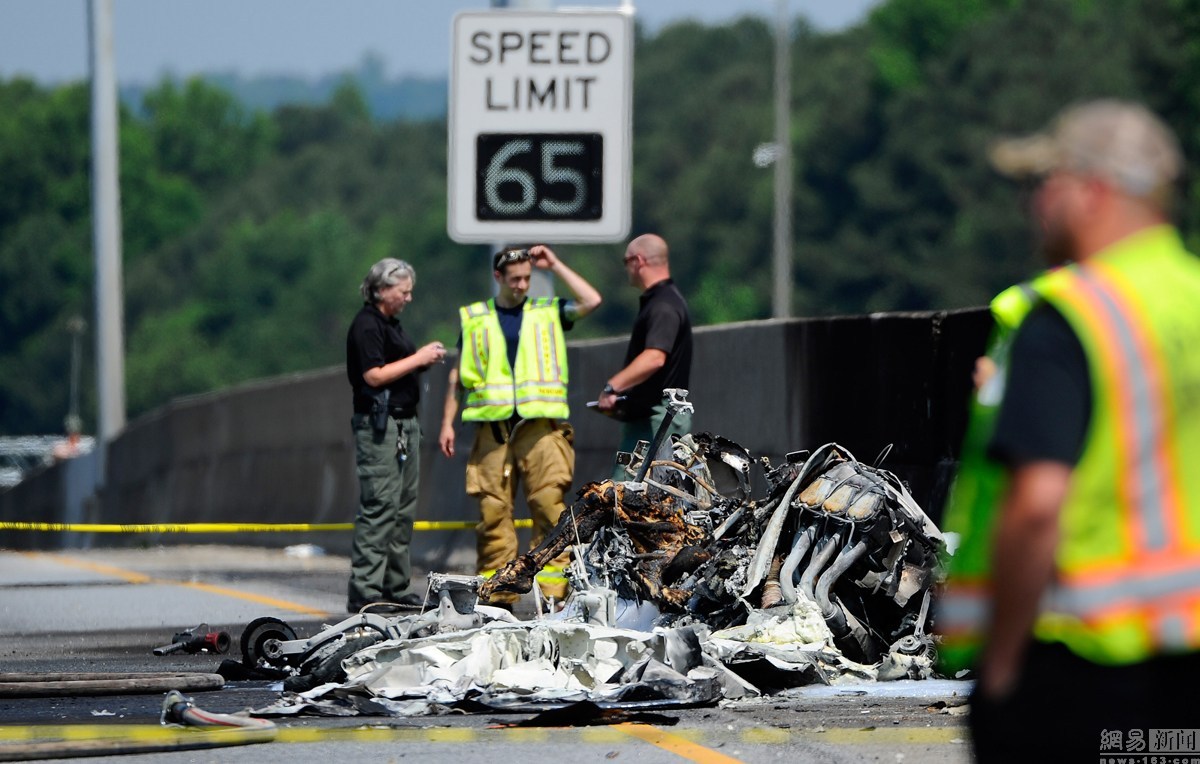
(538, 453)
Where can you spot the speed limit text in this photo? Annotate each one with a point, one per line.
(539, 48)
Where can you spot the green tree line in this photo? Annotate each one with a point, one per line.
(246, 231)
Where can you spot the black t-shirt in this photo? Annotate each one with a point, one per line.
(662, 324)
(1047, 403)
(375, 340)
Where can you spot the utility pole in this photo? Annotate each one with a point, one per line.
(782, 249)
(106, 234)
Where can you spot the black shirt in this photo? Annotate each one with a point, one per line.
(375, 340)
(662, 324)
(1047, 403)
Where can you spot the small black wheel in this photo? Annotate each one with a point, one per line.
(255, 637)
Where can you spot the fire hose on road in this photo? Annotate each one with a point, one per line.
(184, 728)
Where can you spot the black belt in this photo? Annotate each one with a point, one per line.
(408, 413)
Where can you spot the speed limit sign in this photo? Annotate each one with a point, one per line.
(540, 126)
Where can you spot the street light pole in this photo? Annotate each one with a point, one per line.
(782, 249)
(106, 231)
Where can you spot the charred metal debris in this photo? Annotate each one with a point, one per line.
(686, 589)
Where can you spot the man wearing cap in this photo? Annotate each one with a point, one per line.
(1075, 591)
(512, 381)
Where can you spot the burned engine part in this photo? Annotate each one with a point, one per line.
(596, 606)
(593, 509)
(861, 549)
(457, 598)
(675, 401)
(833, 531)
(728, 465)
(787, 571)
(641, 533)
(772, 594)
(765, 551)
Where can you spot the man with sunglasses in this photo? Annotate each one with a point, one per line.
(1075, 588)
(511, 380)
(659, 355)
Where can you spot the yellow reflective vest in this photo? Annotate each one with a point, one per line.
(969, 511)
(1127, 569)
(537, 388)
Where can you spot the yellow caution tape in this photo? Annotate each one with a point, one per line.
(419, 525)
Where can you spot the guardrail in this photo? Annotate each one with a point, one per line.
(278, 452)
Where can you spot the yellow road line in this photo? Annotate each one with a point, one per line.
(134, 577)
(260, 599)
(676, 744)
(127, 576)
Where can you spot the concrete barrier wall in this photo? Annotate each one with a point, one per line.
(280, 450)
(61, 493)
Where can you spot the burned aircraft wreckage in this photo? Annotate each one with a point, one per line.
(684, 587)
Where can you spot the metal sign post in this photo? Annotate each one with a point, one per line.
(106, 235)
(540, 126)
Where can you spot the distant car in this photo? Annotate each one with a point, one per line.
(23, 455)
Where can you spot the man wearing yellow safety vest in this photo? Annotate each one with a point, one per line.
(512, 382)
(1075, 591)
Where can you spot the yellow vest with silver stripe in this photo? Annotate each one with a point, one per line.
(1127, 578)
(537, 388)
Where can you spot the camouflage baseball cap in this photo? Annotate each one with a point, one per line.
(1117, 140)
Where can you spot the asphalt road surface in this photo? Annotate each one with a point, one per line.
(104, 610)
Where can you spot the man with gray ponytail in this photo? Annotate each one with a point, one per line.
(382, 364)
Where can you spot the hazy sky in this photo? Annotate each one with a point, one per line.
(47, 39)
